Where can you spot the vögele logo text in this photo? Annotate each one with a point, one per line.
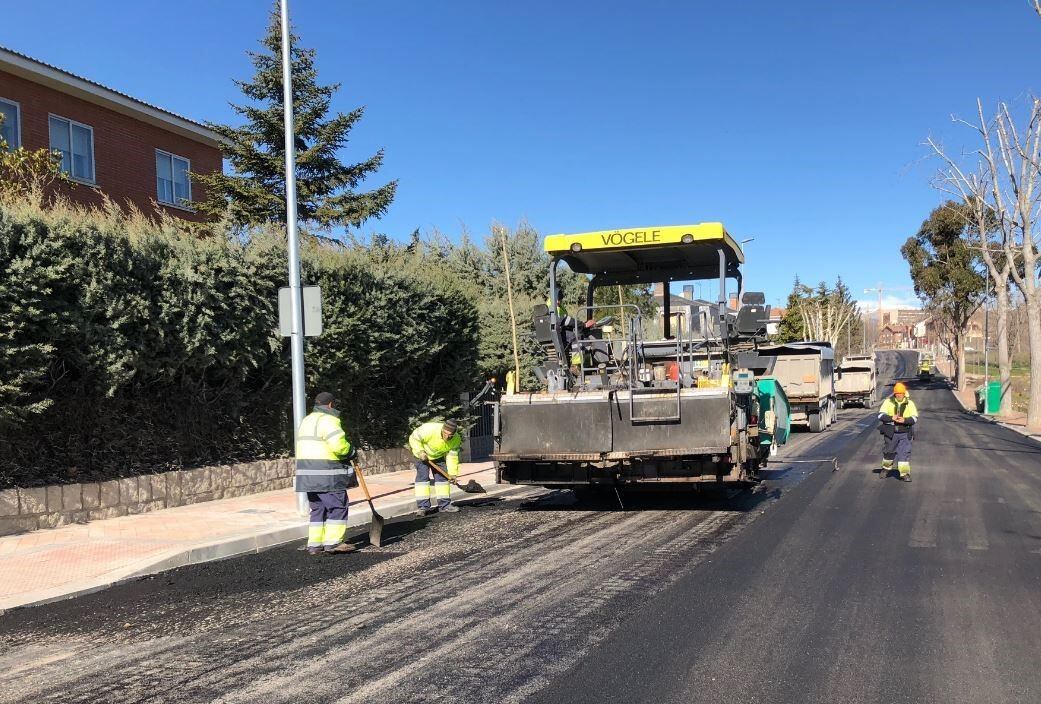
(632, 237)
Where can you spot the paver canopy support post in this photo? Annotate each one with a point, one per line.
(296, 339)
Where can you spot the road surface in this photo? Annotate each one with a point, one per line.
(821, 585)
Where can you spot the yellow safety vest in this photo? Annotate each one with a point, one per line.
(427, 438)
(892, 408)
(320, 443)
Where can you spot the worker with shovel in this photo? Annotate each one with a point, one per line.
(324, 472)
(437, 444)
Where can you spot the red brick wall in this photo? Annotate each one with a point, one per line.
(124, 148)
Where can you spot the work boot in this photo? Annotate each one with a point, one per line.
(314, 551)
(448, 509)
(905, 477)
(340, 549)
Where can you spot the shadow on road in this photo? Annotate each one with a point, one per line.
(685, 499)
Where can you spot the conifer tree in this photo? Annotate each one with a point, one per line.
(327, 188)
(792, 326)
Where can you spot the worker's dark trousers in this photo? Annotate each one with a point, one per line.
(437, 485)
(897, 448)
(328, 525)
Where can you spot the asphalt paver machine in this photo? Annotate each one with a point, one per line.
(620, 407)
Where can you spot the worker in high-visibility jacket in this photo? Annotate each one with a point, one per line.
(897, 418)
(561, 309)
(323, 471)
(438, 443)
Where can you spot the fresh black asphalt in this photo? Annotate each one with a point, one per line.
(856, 588)
(820, 586)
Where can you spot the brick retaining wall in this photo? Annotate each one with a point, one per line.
(23, 510)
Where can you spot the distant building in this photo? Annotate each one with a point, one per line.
(687, 312)
(111, 143)
(905, 316)
(773, 326)
(928, 333)
(894, 336)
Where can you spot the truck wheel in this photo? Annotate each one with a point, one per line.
(815, 422)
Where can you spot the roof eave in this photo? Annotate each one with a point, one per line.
(52, 77)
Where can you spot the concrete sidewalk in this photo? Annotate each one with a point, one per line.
(47, 565)
(1017, 421)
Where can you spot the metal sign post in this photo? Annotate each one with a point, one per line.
(296, 340)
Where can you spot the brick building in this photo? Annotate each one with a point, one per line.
(905, 316)
(111, 143)
(894, 336)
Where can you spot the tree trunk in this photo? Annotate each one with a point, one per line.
(1033, 306)
(1004, 358)
(959, 346)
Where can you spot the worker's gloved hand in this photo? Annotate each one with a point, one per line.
(352, 454)
(422, 457)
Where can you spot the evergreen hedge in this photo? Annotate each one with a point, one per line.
(129, 346)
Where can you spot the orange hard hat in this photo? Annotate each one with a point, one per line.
(899, 388)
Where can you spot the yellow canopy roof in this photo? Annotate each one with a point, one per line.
(674, 252)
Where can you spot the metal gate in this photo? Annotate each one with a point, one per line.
(478, 442)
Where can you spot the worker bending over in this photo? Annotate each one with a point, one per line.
(897, 418)
(437, 443)
(321, 450)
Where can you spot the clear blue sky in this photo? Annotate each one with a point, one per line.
(798, 123)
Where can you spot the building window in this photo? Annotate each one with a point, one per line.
(10, 125)
(172, 182)
(76, 144)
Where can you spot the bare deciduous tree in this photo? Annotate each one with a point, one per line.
(1013, 156)
(974, 188)
(827, 314)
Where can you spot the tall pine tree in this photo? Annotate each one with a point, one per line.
(327, 194)
(792, 326)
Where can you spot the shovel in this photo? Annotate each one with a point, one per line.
(471, 487)
(376, 527)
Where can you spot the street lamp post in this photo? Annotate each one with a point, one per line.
(878, 333)
(296, 339)
(741, 292)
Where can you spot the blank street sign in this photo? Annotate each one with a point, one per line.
(312, 311)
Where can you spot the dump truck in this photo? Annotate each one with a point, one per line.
(806, 371)
(855, 381)
(622, 407)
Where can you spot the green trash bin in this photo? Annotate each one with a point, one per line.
(993, 397)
